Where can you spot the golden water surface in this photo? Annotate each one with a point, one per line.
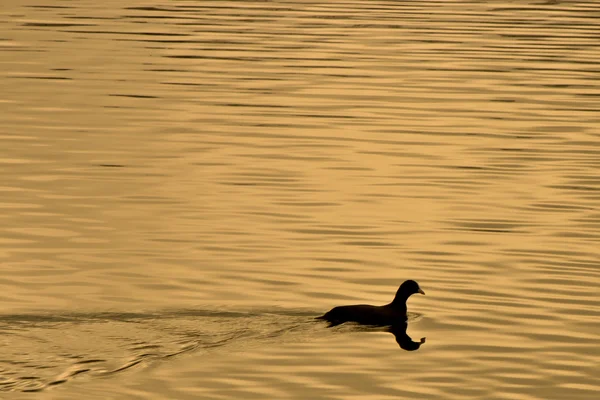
(185, 184)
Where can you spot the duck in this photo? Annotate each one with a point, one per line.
(387, 315)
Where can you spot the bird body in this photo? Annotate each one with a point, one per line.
(365, 314)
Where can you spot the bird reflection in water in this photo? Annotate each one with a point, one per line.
(398, 330)
(404, 341)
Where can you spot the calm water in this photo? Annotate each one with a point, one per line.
(186, 184)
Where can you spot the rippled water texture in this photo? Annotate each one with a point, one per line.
(185, 184)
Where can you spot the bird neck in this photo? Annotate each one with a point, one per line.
(399, 303)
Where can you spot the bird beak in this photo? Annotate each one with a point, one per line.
(421, 291)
